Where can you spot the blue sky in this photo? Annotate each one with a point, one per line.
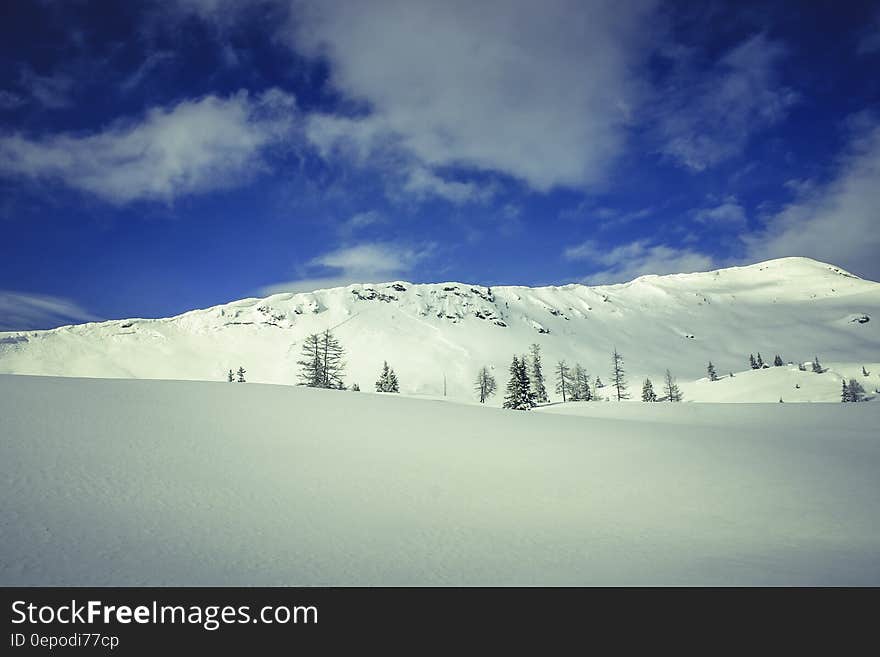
(159, 156)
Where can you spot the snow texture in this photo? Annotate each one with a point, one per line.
(126, 482)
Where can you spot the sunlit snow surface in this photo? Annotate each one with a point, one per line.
(126, 482)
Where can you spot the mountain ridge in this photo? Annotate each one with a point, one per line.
(430, 331)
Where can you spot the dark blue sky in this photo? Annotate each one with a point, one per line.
(162, 156)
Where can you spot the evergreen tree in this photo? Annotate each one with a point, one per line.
(312, 364)
(817, 367)
(856, 391)
(580, 384)
(710, 370)
(241, 373)
(759, 362)
(563, 380)
(485, 385)
(752, 362)
(777, 361)
(355, 387)
(230, 377)
(865, 372)
(518, 394)
(648, 394)
(618, 380)
(673, 393)
(387, 381)
(536, 375)
(844, 394)
(802, 367)
(598, 383)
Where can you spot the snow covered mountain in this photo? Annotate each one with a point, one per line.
(435, 333)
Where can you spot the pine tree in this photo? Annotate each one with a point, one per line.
(312, 364)
(777, 361)
(865, 372)
(355, 387)
(598, 383)
(241, 373)
(713, 376)
(536, 375)
(387, 381)
(856, 391)
(518, 394)
(844, 394)
(618, 380)
(580, 384)
(802, 367)
(817, 367)
(485, 385)
(673, 393)
(752, 362)
(759, 362)
(563, 380)
(648, 394)
(230, 377)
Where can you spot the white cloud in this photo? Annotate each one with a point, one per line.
(360, 221)
(836, 222)
(539, 91)
(422, 182)
(728, 214)
(705, 118)
(20, 311)
(369, 262)
(626, 262)
(192, 147)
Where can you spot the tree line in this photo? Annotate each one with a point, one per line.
(526, 386)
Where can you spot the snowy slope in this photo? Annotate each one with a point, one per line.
(114, 482)
(796, 307)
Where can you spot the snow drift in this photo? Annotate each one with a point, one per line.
(112, 482)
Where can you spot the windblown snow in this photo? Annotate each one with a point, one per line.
(115, 482)
(431, 333)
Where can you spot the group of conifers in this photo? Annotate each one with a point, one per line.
(322, 366)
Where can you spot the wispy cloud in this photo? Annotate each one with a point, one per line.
(837, 221)
(368, 262)
(727, 214)
(361, 221)
(869, 42)
(10, 100)
(625, 262)
(50, 91)
(708, 116)
(20, 311)
(152, 62)
(192, 147)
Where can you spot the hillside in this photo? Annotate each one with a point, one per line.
(113, 482)
(795, 307)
